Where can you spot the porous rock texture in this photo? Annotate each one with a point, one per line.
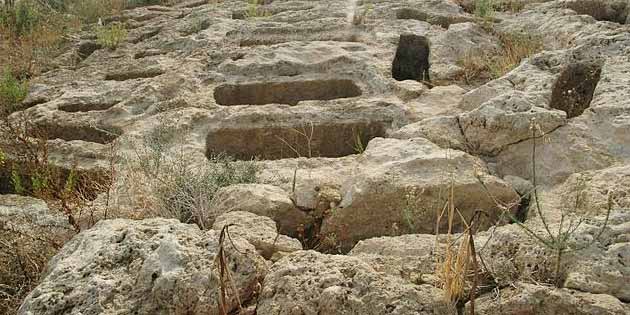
(259, 231)
(398, 184)
(351, 159)
(309, 283)
(265, 200)
(154, 266)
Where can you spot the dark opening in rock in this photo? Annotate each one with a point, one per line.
(277, 35)
(80, 132)
(412, 58)
(273, 143)
(291, 93)
(573, 90)
(148, 53)
(602, 10)
(133, 74)
(85, 107)
(87, 48)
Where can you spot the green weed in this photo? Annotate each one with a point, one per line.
(12, 92)
(111, 36)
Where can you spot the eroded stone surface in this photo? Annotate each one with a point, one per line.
(309, 282)
(144, 267)
(257, 230)
(322, 109)
(398, 184)
(265, 200)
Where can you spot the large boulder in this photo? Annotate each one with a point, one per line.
(24, 214)
(530, 299)
(438, 13)
(507, 119)
(458, 42)
(567, 150)
(309, 282)
(594, 189)
(154, 266)
(596, 139)
(261, 199)
(412, 257)
(259, 231)
(401, 186)
(441, 130)
(596, 262)
(440, 100)
(30, 234)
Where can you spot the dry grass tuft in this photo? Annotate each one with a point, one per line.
(227, 288)
(23, 257)
(453, 269)
(177, 185)
(479, 68)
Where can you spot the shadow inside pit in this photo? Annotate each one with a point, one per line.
(311, 140)
(573, 90)
(412, 58)
(292, 92)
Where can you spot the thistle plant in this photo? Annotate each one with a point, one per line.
(559, 239)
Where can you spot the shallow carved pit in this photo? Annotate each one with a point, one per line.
(411, 61)
(309, 140)
(133, 74)
(80, 132)
(412, 14)
(85, 107)
(573, 90)
(277, 35)
(292, 92)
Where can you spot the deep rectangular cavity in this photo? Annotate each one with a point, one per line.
(335, 139)
(291, 92)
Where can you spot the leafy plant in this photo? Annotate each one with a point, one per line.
(484, 8)
(255, 9)
(16, 182)
(12, 92)
(360, 17)
(31, 32)
(358, 147)
(20, 18)
(111, 36)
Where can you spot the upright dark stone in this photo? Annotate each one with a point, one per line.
(573, 90)
(412, 58)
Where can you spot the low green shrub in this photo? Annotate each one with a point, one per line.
(12, 92)
(21, 18)
(484, 8)
(111, 36)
